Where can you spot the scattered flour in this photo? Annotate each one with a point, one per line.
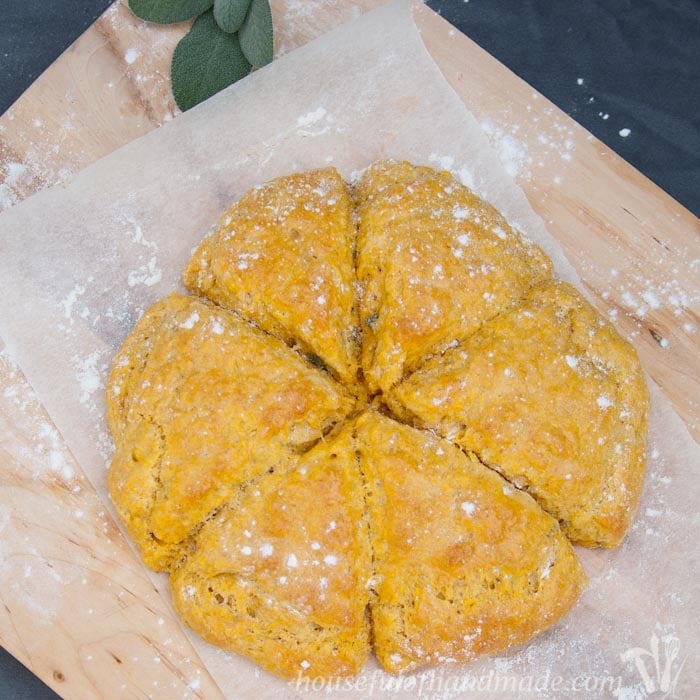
(511, 152)
(190, 321)
(135, 233)
(572, 361)
(131, 55)
(468, 507)
(311, 117)
(604, 402)
(147, 275)
(70, 300)
(309, 19)
(15, 174)
(88, 375)
(640, 294)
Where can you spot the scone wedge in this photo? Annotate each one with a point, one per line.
(283, 258)
(281, 574)
(434, 262)
(464, 564)
(199, 402)
(551, 396)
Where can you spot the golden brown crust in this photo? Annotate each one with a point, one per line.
(283, 258)
(434, 261)
(551, 396)
(281, 576)
(200, 402)
(286, 507)
(464, 563)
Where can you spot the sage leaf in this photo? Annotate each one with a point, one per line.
(229, 14)
(168, 11)
(205, 61)
(256, 33)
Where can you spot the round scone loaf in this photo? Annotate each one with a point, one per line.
(377, 423)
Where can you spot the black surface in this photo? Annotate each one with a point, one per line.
(639, 61)
(33, 33)
(17, 683)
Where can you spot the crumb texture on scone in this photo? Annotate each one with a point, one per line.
(434, 262)
(199, 402)
(281, 574)
(283, 258)
(378, 424)
(465, 564)
(551, 396)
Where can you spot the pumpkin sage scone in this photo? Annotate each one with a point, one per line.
(552, 397)
(377, 425)
(464, 564)
(283, 258)
(281, 574)
(434, 262)
(199, 402)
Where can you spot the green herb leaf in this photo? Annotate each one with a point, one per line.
(168, 11)
(205, 61)
(256, 33)
(229, 14)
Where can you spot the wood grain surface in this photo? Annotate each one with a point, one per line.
(636, 250)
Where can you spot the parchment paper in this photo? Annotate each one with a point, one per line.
(80, 264)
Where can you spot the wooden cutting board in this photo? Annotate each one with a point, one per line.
(636, 250)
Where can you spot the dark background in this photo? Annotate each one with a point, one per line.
(639, 61)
